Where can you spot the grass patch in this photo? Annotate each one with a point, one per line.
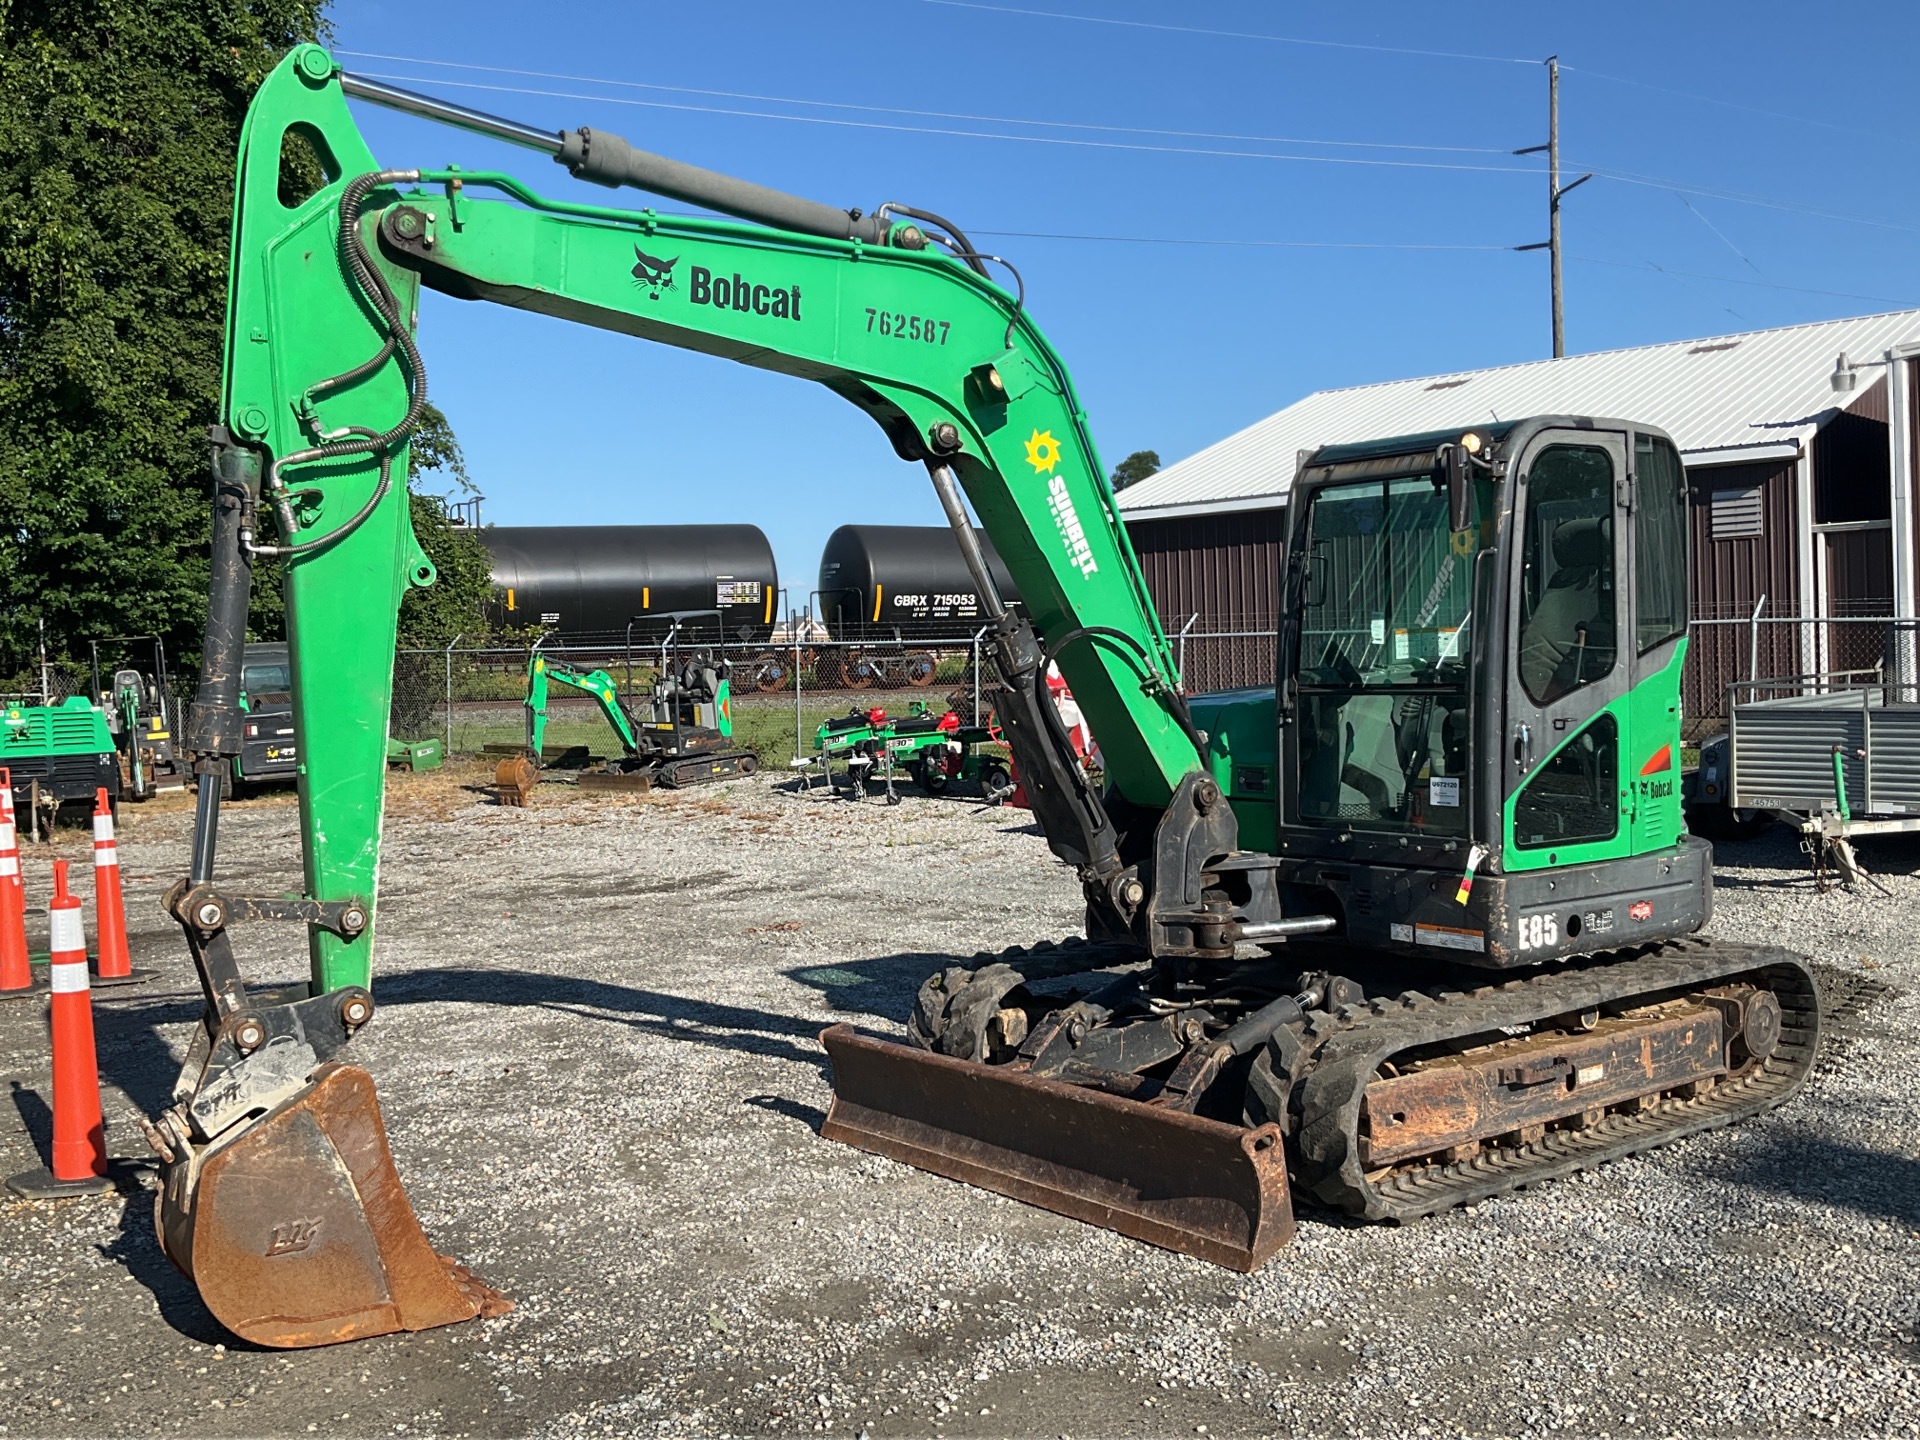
(767, 730)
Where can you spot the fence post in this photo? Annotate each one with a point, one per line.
(1180, 651)
(793, 630)
(976, 672)
(449, 677)
(1753, 639)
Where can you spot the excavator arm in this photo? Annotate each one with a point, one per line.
(893, 311)
(541, 672)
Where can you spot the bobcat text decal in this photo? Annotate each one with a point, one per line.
(739, 293)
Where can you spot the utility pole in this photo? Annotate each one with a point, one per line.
(1554, 191)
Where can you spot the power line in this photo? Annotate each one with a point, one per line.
(1720, 233)
(1904, 302)
(1234, 34)
(1738, 197)
(927, 114)
(1233, 244)
(1405, 50)
(1622, 176)
(961, 134)
(1727, 104)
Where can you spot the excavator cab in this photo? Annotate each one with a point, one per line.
(1495, 701)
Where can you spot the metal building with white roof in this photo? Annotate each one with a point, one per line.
(1800, 455)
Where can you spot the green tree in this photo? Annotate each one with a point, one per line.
(119, 120)
(1136, 467)
(455, 605)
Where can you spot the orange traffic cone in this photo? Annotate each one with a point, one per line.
(112, 964)
(79, 1135)
(16, 972)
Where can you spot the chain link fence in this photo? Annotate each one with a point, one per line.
(1795, 654)
(1723, 651)
(472, 698)
(60, 680)
(1215, 653)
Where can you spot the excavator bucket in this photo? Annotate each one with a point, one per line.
(1214, 1191)
(297, 1231)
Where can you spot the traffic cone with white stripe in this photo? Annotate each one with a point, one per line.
(112, 964)
(79, 1135)
(16, 971)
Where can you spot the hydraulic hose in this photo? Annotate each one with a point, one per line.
(959, 243)
(365, 276)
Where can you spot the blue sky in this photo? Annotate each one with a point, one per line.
(1172, 345)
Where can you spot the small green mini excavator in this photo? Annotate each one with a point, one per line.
(1416, 927)
(686, 737)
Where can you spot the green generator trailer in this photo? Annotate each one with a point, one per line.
(56, 755)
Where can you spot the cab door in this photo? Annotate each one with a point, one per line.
(1660, 595)
(1569, 654)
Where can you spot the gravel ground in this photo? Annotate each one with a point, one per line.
(597, 1061)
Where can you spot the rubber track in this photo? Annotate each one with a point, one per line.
(1327, 1154)
(697, 769)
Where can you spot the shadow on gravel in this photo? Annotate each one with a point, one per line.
(35, 1118)
(1779, 849)
(698, 1022)
(884, 986)
(133, 1053)
(139, 1061)
(138, 1248)
(808, 1115)
(1802, 882)
(1830, 1172)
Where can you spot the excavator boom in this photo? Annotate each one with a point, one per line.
(894, 311)
(542, 673)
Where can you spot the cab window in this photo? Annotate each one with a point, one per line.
(1568, 599)
(1574, 797)
(1660, 542)
(265, 679)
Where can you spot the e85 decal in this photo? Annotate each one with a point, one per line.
(1538, 932)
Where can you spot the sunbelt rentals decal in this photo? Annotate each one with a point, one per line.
(1043, 454)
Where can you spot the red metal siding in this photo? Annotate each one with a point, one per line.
(1225, 569)
(1729, 577)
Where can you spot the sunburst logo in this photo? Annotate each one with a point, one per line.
(1043, 451)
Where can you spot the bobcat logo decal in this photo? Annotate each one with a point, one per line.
(655, 275)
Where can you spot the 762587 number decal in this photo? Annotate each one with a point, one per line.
(907, 327)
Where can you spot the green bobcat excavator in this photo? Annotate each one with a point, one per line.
(686, 737)
(1416, 928)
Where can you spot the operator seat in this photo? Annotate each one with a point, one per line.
(1568, 639)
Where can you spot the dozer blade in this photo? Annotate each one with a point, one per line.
(297, 1231)
(1217, 1192)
